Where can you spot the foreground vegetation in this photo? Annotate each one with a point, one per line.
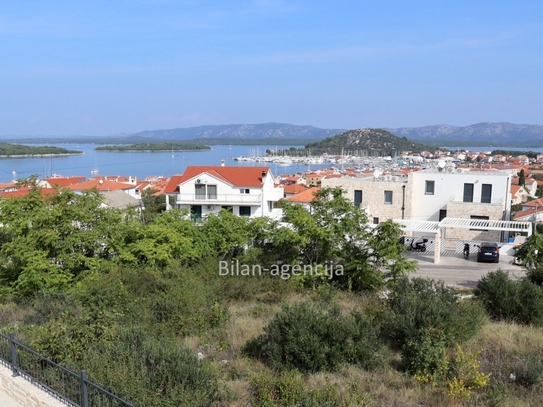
(143, 307)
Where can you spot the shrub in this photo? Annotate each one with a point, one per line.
(499, 295)
(530, 303)
(312, 338)
(419, 306)
(505, 299)
(152, 371)
(456, 373)
(288, 389)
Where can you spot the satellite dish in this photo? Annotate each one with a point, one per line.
(441, 164)
(376, 173)
(101, 181)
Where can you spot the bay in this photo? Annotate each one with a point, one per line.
(139, 164)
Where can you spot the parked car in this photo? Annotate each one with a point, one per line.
(488, 252)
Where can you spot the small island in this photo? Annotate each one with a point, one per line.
(156, 147)
(19, 150)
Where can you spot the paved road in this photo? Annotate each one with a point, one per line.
(456, 271)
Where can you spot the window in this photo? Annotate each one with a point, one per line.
(481, 218)
(430, 185)
(442, 214)
(468, 193)
(486, 193)
(388, 197)
(244, 190)
(212, 192)
(375, 221)
(200, 191)
(244, 211)
(357, 198)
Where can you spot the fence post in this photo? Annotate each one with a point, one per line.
(84, 389)
(14, 364)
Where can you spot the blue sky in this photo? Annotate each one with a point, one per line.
(104, 67)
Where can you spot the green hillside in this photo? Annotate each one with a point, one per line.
(372, 142)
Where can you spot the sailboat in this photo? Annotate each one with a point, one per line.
(172, 153)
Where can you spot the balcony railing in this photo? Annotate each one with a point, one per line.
(219, 199)
(476, 200)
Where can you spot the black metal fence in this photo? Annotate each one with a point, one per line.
(62, 383)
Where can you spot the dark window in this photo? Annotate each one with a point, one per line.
(244, 190)
(442, 214)
(212, 192)
(486, 193)
(388, 197)
(430, 185)
(200, 190)
(468, 193)
(375, 221)
(357, 198)
(483, 218)
(244, 211)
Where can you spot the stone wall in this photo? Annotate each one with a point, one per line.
(24, 392)
(373, 195)
(466, 210)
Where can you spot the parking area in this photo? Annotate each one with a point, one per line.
(456, 271)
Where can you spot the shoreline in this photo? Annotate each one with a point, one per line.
(151, 151)
(39, 155)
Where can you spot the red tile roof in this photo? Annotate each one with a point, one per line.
(101, 185)
(304, 197)
(294, 188)
(534, 203)
(25, 191)
(236, 176)
(64, 181)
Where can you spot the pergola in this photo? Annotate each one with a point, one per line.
(434, 227)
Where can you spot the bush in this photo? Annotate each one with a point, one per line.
(505, 299)
(288, 389)
(499, 295)
(152, 371)
(314, 338)
(420, 305)
(530, 303)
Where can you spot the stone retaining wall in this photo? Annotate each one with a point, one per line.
(24, 392)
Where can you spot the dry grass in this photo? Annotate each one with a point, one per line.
(502, 346)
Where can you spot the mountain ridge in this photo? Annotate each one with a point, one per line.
(488, 133)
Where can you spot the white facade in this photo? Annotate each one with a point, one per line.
(432, 195)
(208, 192)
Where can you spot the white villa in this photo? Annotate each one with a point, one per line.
(430, 196)
(246, 191)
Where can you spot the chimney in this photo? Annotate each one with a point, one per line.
(222, 163)
(263, 177)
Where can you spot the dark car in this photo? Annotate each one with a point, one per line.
(489, 252)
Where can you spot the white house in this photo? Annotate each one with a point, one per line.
(246, 191)
(433, 195)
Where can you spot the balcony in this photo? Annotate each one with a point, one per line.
(477, 200)
(219, 199)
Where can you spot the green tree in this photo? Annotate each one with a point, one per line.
(50, 240)
(521, 178)
(336, 234)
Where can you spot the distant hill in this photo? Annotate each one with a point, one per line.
(370, 142)
(241, 131)
(481, 134)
